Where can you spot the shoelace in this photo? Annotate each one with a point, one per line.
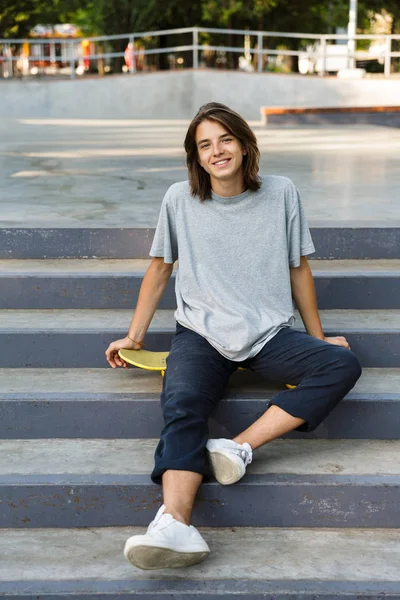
(244, 455)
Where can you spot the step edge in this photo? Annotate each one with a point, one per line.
(256, 480)
(209, 589)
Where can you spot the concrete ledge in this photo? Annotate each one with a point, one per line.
(76, 243)
(87, 291)
(382, 119)
(107, 404)
(387, 115)
(280, 110)
(46, 461)
(86, 349)
(330, 243)
(79, 338)
(201, 590)
(138, 96)
(121, 500)
(60, 289)
(73, 415)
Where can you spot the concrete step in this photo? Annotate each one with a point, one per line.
(307, 483)
(107, 403)
(78, 338)
(330, 242)
(251, 563)
(76, 283)
(108, 283)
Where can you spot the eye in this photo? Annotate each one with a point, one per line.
(227, 139)
(203, 146)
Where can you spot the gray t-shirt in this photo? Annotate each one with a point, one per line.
(233, 279)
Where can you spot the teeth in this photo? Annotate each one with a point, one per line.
(221, 162)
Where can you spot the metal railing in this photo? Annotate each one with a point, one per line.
(22, 57)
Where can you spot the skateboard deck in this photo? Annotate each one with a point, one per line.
(153, 361)
(145, 359)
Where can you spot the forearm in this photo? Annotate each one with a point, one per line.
(153, 286)
(303, 292)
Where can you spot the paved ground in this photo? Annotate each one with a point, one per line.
(136, 456)
(298, 554)
(103, 173)
(110, 321)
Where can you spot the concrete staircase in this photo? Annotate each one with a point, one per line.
(315, 518)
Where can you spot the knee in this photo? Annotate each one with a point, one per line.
(350, 366)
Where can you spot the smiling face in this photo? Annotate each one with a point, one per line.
(221, 156)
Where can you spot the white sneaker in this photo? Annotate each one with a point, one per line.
(228, 459)
(167, 543)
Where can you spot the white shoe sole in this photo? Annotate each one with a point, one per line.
(225, 470)
(153, 557)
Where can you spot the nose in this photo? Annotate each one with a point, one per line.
(217, 148)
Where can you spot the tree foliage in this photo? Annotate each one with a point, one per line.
(18, 18)
(124, 16)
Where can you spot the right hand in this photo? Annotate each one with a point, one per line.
(112, 352)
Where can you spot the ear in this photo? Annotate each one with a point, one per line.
(244, 151)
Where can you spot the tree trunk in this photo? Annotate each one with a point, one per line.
(163, 58)
(118, 61)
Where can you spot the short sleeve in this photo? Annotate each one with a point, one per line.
(165, 242)
(298, 233)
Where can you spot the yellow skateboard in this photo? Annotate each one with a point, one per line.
(145, 359)
(153, 361)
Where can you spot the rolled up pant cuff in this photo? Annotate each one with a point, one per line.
(180, 465)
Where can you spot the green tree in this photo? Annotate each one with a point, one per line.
(127, 16)
(109, 17)
(18, 18)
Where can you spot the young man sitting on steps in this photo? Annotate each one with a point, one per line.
(242, 242)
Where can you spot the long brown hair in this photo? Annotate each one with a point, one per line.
(199, 179)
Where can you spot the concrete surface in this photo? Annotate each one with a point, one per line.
(135, 456)
(112, 284)
(107, 404)
(90, 267)
(115, 284)
(331, 243)
(249, 554)
(114, 173)
(133, 381)
(78, 338)
(140, 96)
(86, 320)
(266, 500)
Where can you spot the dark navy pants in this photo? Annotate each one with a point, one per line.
(197, 375)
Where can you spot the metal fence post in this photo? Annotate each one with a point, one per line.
(195, 48)
(351, 32)
(388, 51)
(52, 52)
(260, 54)
(72, 58)
(9, 61)
(323, 48)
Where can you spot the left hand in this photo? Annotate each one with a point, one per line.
(338, 341)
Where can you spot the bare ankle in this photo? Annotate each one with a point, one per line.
(239, 440)
(178, 516)
(179, 491)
